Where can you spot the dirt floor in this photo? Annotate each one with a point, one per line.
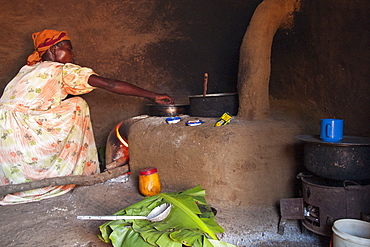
(53, 222)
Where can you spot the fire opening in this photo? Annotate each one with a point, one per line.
(116, 153)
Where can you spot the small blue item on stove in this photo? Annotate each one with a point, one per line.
(194, 122)
(173, 120)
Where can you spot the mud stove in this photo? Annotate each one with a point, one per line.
(325, 199)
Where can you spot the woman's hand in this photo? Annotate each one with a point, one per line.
(163, 99)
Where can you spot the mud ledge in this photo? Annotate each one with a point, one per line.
(243, 163)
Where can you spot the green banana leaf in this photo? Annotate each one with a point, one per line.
(191, 222)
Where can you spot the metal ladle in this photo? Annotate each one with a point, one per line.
(158, 213)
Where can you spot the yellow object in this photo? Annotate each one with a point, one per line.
(149, 182)
(224, 119)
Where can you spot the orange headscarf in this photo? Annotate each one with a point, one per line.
(42, 42)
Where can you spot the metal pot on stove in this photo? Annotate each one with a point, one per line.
(345, 160)
(168, 110)
(213, 105)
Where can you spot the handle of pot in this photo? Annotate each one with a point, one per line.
(355, 186)
(303, 175)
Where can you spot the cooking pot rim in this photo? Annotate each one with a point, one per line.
(346, 141)
(212, 95)
(166, 106)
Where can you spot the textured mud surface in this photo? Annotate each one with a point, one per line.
(53, 222)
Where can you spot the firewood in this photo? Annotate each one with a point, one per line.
(55, 181)
(119, 162)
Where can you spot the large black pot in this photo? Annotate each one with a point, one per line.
(213, 105)
(345, 160)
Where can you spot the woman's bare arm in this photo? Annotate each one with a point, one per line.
(125, 88)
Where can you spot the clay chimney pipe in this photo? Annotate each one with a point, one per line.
(255, 55)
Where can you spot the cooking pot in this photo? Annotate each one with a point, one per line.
(213, 105)
(168, 110)
(345, 160)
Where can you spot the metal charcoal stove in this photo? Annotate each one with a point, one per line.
(324, 200)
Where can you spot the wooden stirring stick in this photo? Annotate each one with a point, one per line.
(205, 82)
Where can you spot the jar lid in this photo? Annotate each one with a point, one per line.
(173, 120)
(148, 171)
(194, 122)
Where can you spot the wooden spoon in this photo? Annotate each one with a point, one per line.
(205, 82)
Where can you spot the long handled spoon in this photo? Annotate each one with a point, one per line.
(158, 213)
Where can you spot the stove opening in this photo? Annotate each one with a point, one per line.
(312, 214)
(116, 153)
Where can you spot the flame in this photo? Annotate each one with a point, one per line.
(122, 139)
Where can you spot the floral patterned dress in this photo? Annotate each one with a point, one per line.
(43, 134)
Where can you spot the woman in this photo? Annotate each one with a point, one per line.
(43, 134)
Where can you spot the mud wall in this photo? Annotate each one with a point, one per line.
(319, 68)
(163, 46)
(321, 65)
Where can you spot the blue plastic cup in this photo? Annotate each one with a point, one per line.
(331, 130)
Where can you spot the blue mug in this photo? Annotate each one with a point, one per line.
(331, 130)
